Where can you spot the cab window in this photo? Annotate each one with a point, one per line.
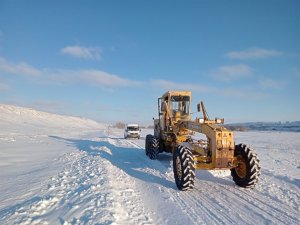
(180, 104)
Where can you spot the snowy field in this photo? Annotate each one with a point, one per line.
(67, 170)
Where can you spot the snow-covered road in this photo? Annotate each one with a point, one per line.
(63, 170)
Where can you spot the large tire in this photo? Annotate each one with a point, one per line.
(247, 172)
(148, 143)
(183, 168)
(153, 150)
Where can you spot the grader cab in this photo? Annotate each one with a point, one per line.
(174, 132)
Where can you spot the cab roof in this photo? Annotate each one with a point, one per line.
(177, 93)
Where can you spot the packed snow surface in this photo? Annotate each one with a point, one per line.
(67, 170)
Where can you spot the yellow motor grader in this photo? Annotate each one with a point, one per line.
(174, 132)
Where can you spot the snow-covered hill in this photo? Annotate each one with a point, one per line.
(20, 119)
(67, 170)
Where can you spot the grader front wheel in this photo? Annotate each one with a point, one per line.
(183, 167)
(248, 170)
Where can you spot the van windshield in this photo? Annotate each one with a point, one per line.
(133, 128)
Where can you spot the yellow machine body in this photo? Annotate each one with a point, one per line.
(174, 127)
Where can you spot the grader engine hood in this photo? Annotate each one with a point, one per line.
(224, 155)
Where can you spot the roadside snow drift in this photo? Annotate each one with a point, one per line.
(67, 170)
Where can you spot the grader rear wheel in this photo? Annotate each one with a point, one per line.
(148, 143)
(153, 149)
(247, 172)
(183, 167)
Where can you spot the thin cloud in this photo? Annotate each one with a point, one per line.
(62, 77)
(4, 87)
(229, 92)
(93, 53)
(253, 53)
(18, 68)
(233, 72)
(89, 77)
(101, 78)
(241, 93)
(268, 83)
(296, 72)
(169, 85)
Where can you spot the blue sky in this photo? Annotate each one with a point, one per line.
(111, 60)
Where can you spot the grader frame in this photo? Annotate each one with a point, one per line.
(173, 133)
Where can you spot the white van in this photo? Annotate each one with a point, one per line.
(132, 131)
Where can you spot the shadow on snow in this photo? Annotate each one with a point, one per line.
(131, 160)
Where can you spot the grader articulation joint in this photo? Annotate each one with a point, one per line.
(174, 133)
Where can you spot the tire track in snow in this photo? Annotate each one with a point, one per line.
(275, 211)
(226, 205)
(231, 203)
(199, 208)
(172, 195)
(287, 193)
(189, 203)
(121, 176)
(256, 202)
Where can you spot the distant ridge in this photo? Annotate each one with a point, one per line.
(293, 126)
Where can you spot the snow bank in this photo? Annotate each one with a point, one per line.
(28, 153)
(18, 120)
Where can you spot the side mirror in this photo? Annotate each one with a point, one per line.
(199, 107)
